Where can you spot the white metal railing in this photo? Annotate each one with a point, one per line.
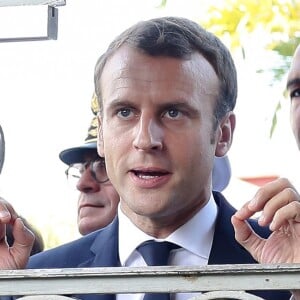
(52, 19)
(217, 280)
(32, 2)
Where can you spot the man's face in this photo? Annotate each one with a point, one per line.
(293, 88)
(97, 202)
(157, 134)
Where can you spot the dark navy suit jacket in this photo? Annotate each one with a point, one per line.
(100, 249)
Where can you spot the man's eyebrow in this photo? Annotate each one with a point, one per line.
(178, 105)
(295, 81)
(118, 102)
(175, 104)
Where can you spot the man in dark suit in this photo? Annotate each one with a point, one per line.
(167, 89)
(98, 200)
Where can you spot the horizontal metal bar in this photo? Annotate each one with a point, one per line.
(32, 2)
(150, 279)
(24, 39)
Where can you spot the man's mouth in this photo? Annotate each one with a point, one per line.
(149, 174)
(92, 205)
(149, 178)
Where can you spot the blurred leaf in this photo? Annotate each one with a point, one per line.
(163, 3)
(274, 119)
(287, 48)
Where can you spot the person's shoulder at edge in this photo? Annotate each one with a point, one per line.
(66, 255)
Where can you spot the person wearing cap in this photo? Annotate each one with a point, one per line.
(98, 200)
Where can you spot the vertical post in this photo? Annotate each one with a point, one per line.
(52, 24)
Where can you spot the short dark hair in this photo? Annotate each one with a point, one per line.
(178, 37)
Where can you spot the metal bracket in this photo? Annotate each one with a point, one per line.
(52, 22)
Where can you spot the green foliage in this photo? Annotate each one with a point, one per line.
(278, 19)
(285, 50)
(274, 23)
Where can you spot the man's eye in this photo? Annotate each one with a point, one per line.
(125, 112)
(81, 170)
(173, 113)
(295, 93)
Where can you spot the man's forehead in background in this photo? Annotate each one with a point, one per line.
(294, 72)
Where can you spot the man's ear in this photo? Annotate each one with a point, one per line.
(100, 146)
(225, 136)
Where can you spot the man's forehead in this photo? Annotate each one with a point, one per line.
(294, 72)
(125, 72)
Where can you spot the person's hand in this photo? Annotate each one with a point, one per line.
(278, 202)
(15, 257)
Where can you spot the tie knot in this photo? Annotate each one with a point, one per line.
(156, 253)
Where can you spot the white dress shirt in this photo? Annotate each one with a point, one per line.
(195, 248)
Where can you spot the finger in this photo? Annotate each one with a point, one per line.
(287, 214)
(23, 242)
(7, 215)
(245, 212)
(242, 231)
(245, 236)
(282, 199)
(262, 196)
(268, 191)
(3, 234)
(7, 212)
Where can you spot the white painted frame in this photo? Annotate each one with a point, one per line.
(52, 19)
(32, 2)
(215, 279)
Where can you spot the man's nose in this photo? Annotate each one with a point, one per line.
(149, 135)
(86, 183)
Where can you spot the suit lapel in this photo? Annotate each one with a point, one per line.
(106, 254)
(225, 249)
(105, 248)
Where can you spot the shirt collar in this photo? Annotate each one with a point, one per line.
(202, 225)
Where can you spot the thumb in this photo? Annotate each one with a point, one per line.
(241, 230)
(23, 242)
(245, 235)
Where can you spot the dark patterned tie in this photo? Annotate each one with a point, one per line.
(156, 254)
